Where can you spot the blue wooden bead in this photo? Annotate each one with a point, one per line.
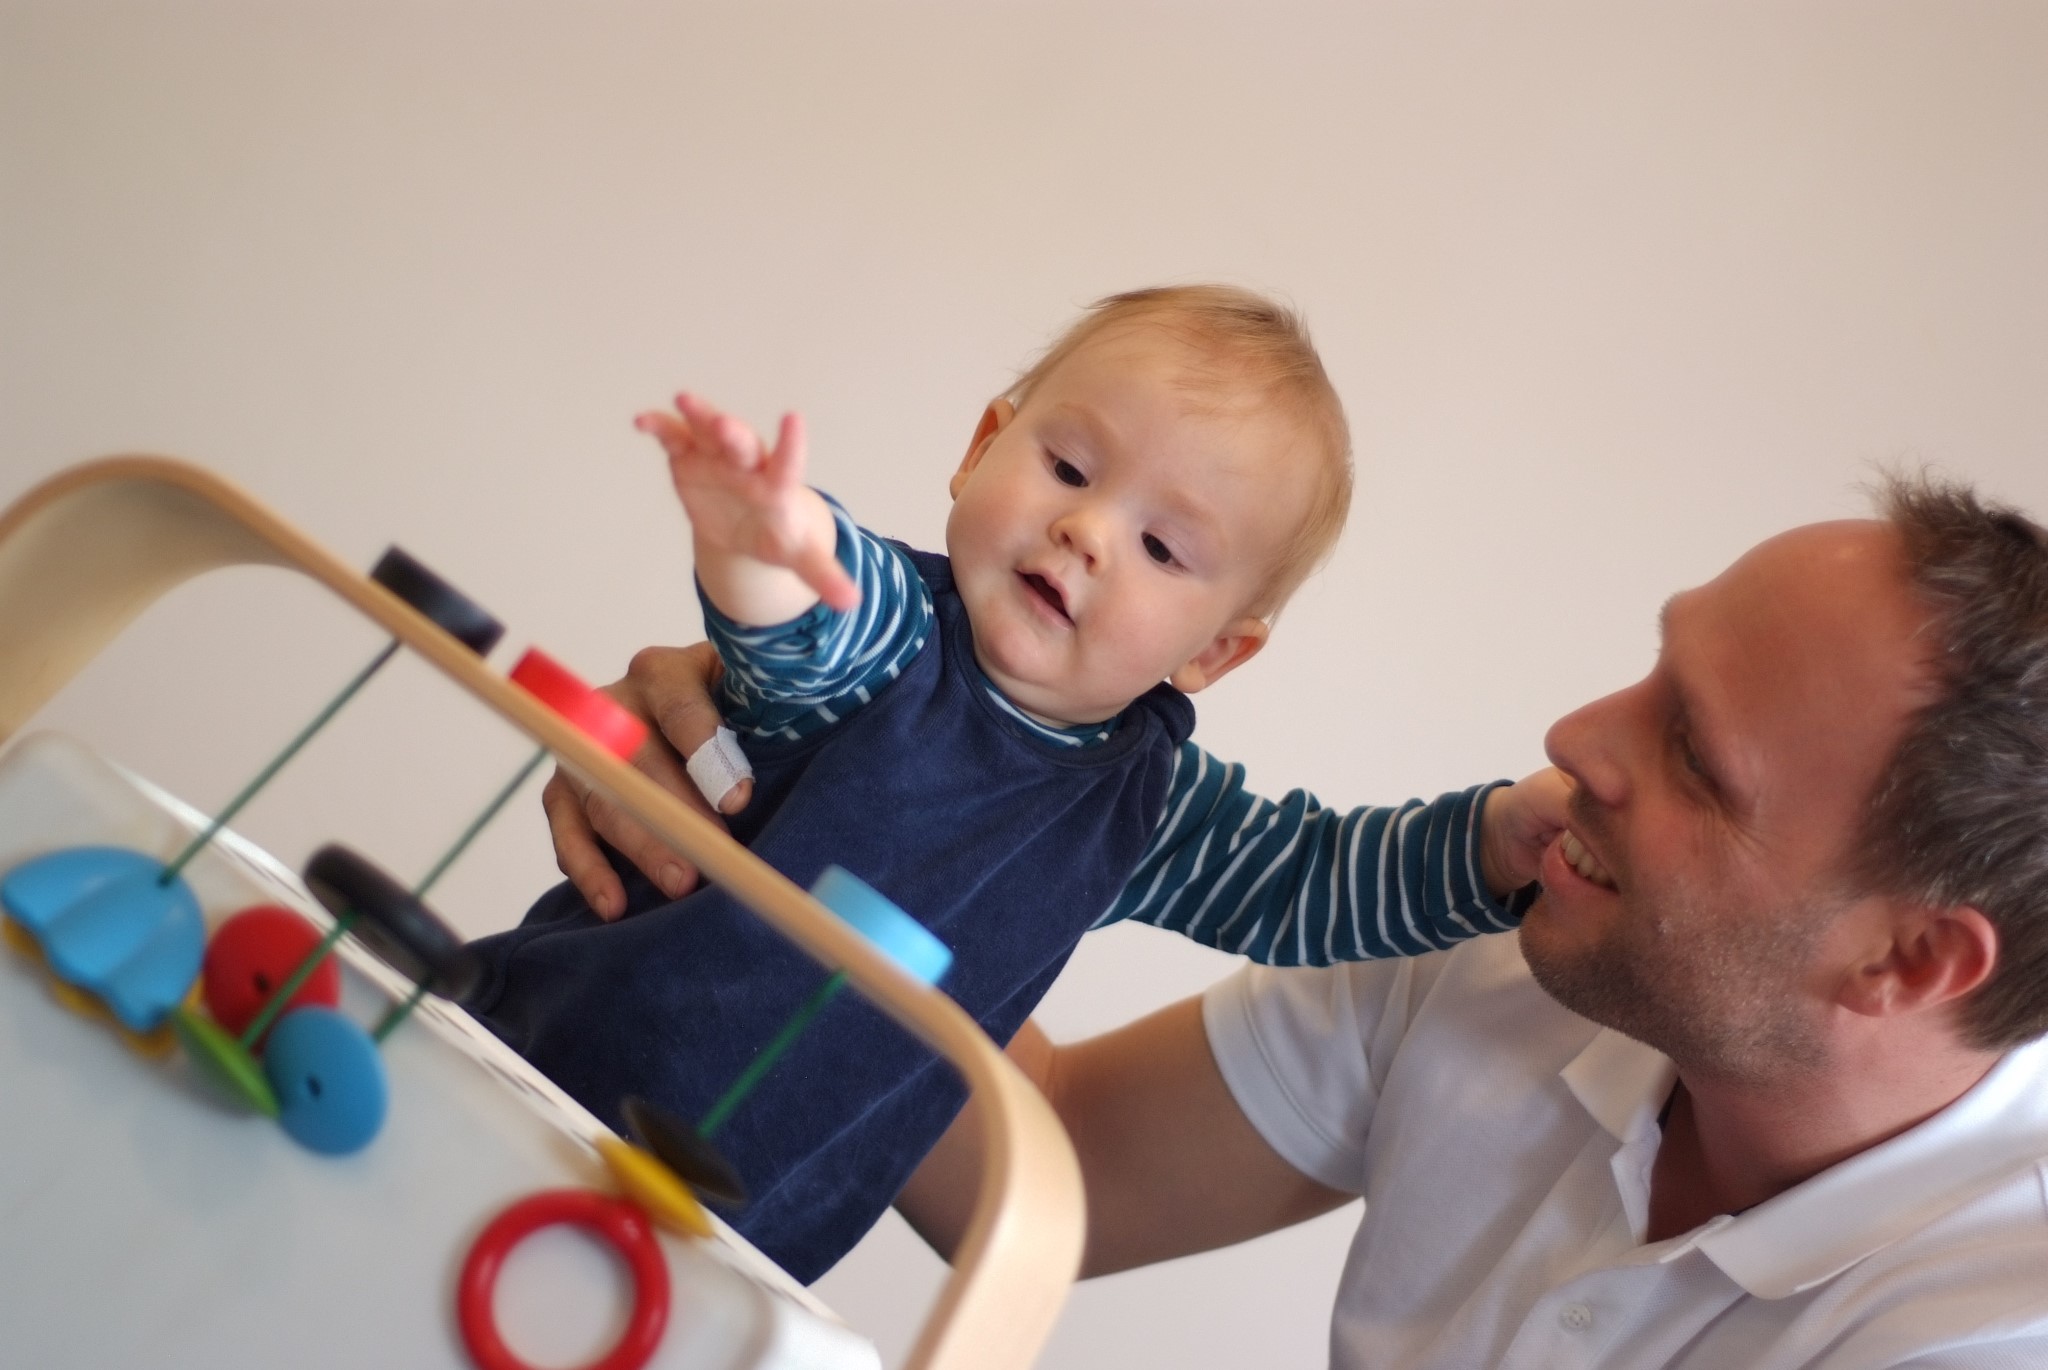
(107, 925)
(42, 887)
(902, 938)
(328, 1080)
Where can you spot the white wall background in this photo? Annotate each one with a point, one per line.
(1611, 291)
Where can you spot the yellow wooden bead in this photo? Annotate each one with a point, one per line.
(654, 1187)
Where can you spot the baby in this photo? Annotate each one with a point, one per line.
(985, 738)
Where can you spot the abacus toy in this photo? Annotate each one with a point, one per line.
(121, 928)
(320, 1076)
(149, 1224)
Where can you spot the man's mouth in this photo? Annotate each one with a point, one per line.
(1048, 592)
(1584, 862)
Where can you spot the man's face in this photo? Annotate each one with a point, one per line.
(1689, 903)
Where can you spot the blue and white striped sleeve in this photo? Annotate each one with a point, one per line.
(1295, 884)
(790, 680)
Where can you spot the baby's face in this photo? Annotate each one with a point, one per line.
(1113, 532)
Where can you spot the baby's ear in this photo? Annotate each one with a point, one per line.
(994, 420)
(1238, 643)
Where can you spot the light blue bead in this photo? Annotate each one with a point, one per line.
(328, 1080)
(895, 933)
(153, 980)
(107, 926)
(39, 889)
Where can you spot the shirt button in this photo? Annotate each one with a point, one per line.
(1575, 1317)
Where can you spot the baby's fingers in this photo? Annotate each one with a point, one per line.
(1546, 803)
(672, 433)
(718, 433)
(818, 568)
(784, 466)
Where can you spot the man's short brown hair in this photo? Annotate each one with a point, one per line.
(1249, 346)
(1960, 816)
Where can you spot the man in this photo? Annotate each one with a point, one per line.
(1759, 1083)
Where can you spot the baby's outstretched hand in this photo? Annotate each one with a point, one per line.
(1519, 821)
(745, 500)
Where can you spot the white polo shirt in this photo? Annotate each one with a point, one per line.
(1503, 1146)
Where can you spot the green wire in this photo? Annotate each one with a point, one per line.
(768, 1055)
(275, 1004)
(277, 764)
(503, 797)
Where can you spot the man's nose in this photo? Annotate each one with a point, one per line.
(1589, 745)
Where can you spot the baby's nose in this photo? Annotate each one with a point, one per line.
(1082, 533)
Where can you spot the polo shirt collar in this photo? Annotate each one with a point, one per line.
(1816, 1230)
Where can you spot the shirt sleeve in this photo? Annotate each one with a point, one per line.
(1291, 883)
(791, 680)
(1298, 1049)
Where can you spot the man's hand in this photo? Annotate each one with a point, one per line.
(669, 687)
(764, 539)
(1519, 821)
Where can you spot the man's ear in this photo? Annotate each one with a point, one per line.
(1238, 643)
(994, 420)
(1930, 957)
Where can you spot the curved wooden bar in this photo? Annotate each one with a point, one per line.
(86, 551)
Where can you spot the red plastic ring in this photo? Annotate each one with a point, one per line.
(619, 1223)
(603, 719)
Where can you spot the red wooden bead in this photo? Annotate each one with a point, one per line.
(607, 722)
(255, 952)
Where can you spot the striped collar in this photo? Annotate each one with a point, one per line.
(1086, 735)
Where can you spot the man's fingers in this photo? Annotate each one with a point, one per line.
(668, 770)
(672, 687)
(674, 876)
(576, 851)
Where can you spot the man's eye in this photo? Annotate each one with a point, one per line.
(1692, 760)
(1067, 473)
(1158, 550)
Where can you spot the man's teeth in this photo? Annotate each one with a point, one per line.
(1581, 860)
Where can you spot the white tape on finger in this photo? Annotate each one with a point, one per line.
(719, 765)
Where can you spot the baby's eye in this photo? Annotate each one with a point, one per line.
(1158, 550)
(1067, 473)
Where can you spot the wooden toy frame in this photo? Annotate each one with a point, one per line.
(86, 551)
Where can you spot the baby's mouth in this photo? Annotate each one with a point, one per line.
(1047, 591)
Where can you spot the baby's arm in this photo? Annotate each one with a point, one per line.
(1293, 883)
(763, 538)
(790, 680)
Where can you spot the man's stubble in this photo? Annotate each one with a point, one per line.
(1719, 992)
